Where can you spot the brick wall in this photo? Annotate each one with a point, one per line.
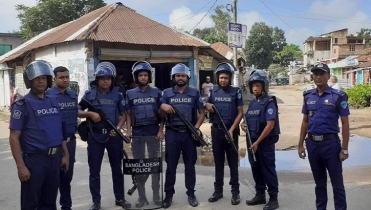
(344, 50)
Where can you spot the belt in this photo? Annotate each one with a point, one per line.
(101, 130)
(181, 129)
(322, 137)
(49, 151)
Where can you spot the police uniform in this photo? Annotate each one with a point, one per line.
(41, 138)
(178, 139)
(145, 121)
(323, 143)
(68, 108)
(226, 101)
(112, 104)
(264, 170)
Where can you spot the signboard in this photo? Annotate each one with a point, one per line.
(142, 166)
(236, 35)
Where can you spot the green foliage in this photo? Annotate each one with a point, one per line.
(258, 50)
(366, 33)
(288, 53)
(48, 14)
(359, 96)
(221, 19)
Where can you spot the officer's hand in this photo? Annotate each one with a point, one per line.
(128, 135)
(254, 146)
(343, 156)
(167, 109)
(243, 126)
(160, 135)
(209, 107)
(112, 133)
(65, 164)
(198, 132)
(94, 116)
(23, 174)
(301, 152)
(230, 133)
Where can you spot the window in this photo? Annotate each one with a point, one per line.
(5, 48)
(336, 40)
(352, 47)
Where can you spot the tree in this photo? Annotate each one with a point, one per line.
(221, 19)
(288, 53)
(279, 41)
(366, 33)
(202, 33)
(48, 14)
(258, 50)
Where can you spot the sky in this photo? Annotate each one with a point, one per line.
(298, 18)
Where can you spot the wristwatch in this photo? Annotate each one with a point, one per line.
(344, 151)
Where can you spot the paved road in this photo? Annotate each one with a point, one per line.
(296, 187)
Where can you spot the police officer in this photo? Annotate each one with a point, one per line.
(67, 100)
(177, 138)
(143, 103)
(321, 110)
(36, 140)
(228, 100)
(104, 95)
(263, 124)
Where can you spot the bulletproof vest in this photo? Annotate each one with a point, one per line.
(43, 127)
(225, 102)
(144, 106)
(68, 108)
(256, 120)
(185, 102)
(108, 103)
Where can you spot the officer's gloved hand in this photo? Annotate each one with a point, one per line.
(243, 126)
(209, 107)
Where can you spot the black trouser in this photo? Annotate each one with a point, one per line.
(220, 148)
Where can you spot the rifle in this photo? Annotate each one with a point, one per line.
(190, 127)
(248, 141)
(136, 184)
(224, 128)
(103, 117)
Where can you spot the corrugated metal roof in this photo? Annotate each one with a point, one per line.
(223, 49)
(111, 23)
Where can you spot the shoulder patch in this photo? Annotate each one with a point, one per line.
(17, 114)
(239, 95)
(270, 111)
(344, 104)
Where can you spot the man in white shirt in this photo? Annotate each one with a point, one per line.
(205, 90)
(335, 84)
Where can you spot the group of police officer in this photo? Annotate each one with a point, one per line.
(44, 122)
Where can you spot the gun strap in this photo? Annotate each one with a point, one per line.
(92, 133)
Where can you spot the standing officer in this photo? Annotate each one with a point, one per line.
(321, 109)
(143, 103)
(178, 140)
(228, 100)
(36, 140)
(67, 101)
(104, 95)
(262, 119)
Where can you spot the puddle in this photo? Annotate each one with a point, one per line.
(359, 155)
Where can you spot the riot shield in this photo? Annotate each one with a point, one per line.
(143, 183)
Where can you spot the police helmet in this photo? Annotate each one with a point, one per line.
(180, 68)
(224, 68)
(36, 69)
(142, 66)
(105, 69)
(258, 76)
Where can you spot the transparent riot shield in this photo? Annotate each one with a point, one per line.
(143, 183)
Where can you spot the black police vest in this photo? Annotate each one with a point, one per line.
(108, 103)
(255, 117)
(225, 102)
(68, 108)
(144, 106)
(43, 127)
(185, 102)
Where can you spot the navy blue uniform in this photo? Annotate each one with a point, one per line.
(226, 101)
(323, 115)
(41, 138)
(178, 140)
(143, 106)
(68, 108)
(112, 104)
(264, 170)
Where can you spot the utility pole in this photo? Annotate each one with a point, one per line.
(236, 79)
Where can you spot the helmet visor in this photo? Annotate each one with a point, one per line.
(36, 69)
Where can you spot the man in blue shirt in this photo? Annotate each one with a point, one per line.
(321, 110)
(36, 140)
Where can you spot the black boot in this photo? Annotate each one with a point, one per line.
(215, 197)
(167, 202)
(258, 199)
(192, 200)
(235, 199)
(272, 203)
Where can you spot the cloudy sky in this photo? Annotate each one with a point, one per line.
(298, 18)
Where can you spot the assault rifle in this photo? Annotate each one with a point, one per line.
(190, 127)
(224, 128)
(249, 143)
(103, 117)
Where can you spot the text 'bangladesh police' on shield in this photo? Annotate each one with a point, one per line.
(142, 166)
